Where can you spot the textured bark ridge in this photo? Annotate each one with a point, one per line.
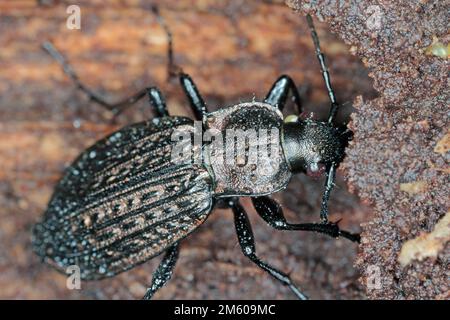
(398, 160)
(234, 50)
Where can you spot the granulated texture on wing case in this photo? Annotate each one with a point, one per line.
(123, 201)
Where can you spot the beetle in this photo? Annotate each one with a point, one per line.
(124, 200)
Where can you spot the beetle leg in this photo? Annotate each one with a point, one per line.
(195, 99)
(247, 243)
(271, 212)
(157, 102)
(164, 271)
(155, 96)
(324, 70)
(120, 106)
(70, 72)
(278, 94)
(172, 69)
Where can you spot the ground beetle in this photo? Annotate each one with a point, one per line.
(123, 201)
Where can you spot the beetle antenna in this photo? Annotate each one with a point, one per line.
(324, 69)
(329, 185)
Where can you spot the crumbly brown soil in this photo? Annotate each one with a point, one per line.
(234, 50)
(398, 160)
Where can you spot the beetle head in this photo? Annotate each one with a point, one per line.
(312, 147)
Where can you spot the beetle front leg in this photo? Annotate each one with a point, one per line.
(271, 212)
(247, 243)
(278, 94)
(164, 271)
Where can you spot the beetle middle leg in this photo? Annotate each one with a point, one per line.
(164, 271)
(271, 212)
(196, 101)
(247, 243)
(278, 94)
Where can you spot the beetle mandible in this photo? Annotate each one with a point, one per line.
(124, 200)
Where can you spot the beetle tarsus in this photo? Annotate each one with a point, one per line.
(247, 243)
(164, 271)
(118, 107)
(271, 212)
(173, 70)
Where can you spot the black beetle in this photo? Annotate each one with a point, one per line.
(124, 200)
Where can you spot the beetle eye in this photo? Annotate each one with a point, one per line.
(315, 170)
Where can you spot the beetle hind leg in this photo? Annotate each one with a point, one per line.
(70, 72)
(157, 102)
(118, 107)
(196, 101)
(247, 243)
(155, 96)
(190, 89)
(164, 271)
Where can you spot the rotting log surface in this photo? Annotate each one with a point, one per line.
(398, 160)
(234, 50)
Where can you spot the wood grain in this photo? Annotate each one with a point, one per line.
(234, 50)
